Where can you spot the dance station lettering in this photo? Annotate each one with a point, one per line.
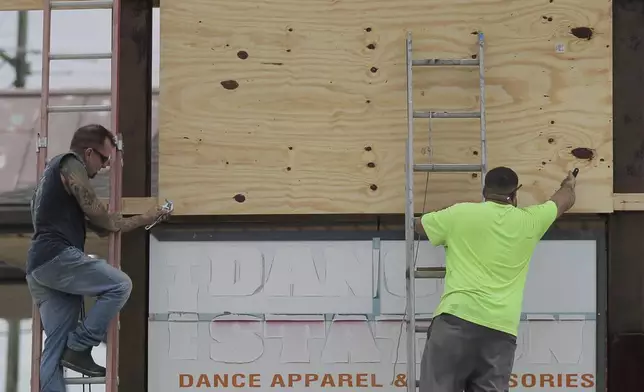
(311, 316)
(362, 380)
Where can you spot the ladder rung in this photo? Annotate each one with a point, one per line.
(439, 62)
(447, 114)
(79, 108)
(447, 167)
(430, 272)
(84, 380)
(81, 56)
(81, 4)
(426, 321)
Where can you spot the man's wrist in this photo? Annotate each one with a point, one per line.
(147, 219)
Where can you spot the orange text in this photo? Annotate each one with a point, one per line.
(545, 380)
(290, 380)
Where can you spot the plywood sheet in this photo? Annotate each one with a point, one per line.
(284, 106)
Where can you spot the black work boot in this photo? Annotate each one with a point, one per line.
(82, 362)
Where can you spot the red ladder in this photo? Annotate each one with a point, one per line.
(116, 169)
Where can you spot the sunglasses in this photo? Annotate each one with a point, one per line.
(104, 158)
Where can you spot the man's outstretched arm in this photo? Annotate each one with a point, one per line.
(545, 214)
(77, 182)
(565, 196)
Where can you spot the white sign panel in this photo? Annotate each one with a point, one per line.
(315, 315)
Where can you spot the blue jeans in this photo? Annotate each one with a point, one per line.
(57, 289)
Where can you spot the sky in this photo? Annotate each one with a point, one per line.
(77, 31)
(83, 31)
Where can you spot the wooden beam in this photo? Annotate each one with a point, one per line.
(135, 205)
(15, 246)
(20, 5)
(139, 205)
(34, 5)
(17, 217)
(621, 202)
(628, 202)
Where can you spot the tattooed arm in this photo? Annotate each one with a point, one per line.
(77, 183)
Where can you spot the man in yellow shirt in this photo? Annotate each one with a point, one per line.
(488, 246)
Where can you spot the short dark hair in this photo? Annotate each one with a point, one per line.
(91, 136)
(501, 180)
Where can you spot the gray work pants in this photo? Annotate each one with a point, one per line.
(463, 356)
(57, 288)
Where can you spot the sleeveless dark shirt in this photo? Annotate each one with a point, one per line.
(58, 221)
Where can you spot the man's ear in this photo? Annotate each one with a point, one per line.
(513, 198)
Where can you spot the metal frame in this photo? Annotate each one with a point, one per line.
(412, 272)
(116, 173)
(41, 153)
(165, 233)
(111, 379)
(410, 268)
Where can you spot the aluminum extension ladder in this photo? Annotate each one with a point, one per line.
(412, 272)
(111, 378)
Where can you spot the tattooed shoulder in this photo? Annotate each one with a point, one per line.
(72, 168)
(77, 181)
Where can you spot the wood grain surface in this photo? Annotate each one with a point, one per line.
(283, 106)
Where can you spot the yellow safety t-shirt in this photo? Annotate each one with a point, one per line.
(488, 247)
